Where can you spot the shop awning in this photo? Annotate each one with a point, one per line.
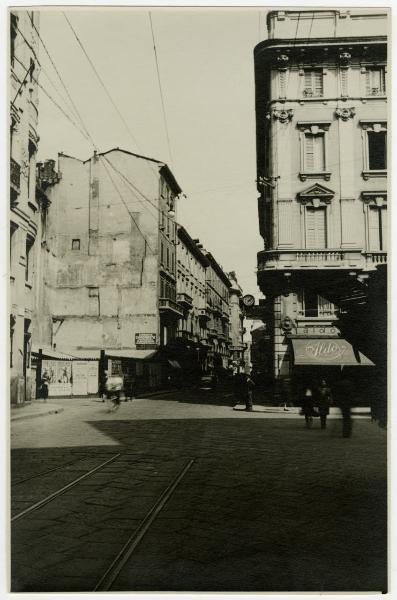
(327, 351)
(175, 364)
(89, 354)
(131, 353)
(50, 352)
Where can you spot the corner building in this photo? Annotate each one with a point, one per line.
(321, 119)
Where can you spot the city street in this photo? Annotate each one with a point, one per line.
(185, 494)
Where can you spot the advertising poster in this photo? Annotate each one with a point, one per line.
(80, 378)
(59, 376)
(92, 369)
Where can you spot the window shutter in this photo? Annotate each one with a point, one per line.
(383, 216)
(308, 80)
(311, 227)
(318, 83)
(373, 228)
(367, 82)
(309, 152)
(315, 228)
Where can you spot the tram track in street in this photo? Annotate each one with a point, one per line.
(107, 580)
(54, 495)
(44, 473)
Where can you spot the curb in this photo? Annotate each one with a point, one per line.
(53, 411)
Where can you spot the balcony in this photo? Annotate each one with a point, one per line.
(185, 335)
(170, 308)
(204, 314)
(15, 176)
(217, 310)
(373, 259)
(185, 301)
(212, 332)
(270, 260)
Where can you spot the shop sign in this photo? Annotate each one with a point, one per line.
(329, 350)
(148, 340)
(318, 330)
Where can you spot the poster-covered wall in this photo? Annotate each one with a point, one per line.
(59, 376)
(67, 378)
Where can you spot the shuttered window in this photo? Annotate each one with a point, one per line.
(314, 152)
(313, 83)
(316, 234)
(375, 81)
(377, 228)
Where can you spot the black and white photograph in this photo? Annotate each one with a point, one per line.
(197, 344)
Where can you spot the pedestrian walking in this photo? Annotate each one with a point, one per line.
(114, 386)
(307, 404)
(344, 391)
(249, 393)
(323, 402)
(43, 388)
(129, 384)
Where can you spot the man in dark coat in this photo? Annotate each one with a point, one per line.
(343, 392)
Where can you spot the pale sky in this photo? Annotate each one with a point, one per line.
(207, 74)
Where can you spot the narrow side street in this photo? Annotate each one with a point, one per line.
(266, 505)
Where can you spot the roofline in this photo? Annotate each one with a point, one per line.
(166, 172)
(218, 270)
(159, 162)
(185, 237)
(315, 42)
(359, 10)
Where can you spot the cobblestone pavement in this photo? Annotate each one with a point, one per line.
(266, 505)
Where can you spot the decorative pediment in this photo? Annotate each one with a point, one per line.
(316, 195)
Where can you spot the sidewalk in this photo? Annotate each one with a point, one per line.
(42, 408)
(360, 412)
(37, 408)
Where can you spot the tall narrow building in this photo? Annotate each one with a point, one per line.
(24, 213)
(321, 118)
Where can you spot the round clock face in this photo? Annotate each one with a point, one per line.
(248, 300)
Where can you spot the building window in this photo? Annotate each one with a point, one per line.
(93, 302)
(76, 244)
(316, 227)
(377, 228)
(314, 159)
(376, 150)
(375, 81)
(313, 83)
(161, 252)
(28, 258)
(312, 305)
(313, 139)
(14, 27)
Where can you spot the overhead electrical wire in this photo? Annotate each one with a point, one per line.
(101, 81)
(84, 131)
(161, 90)
(122, 199)
(54, 101)
(64, 87)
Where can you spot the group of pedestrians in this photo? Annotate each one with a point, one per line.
(316, 402)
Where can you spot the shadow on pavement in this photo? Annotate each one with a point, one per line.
(267, 506)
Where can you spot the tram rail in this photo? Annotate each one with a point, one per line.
(62, 490)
